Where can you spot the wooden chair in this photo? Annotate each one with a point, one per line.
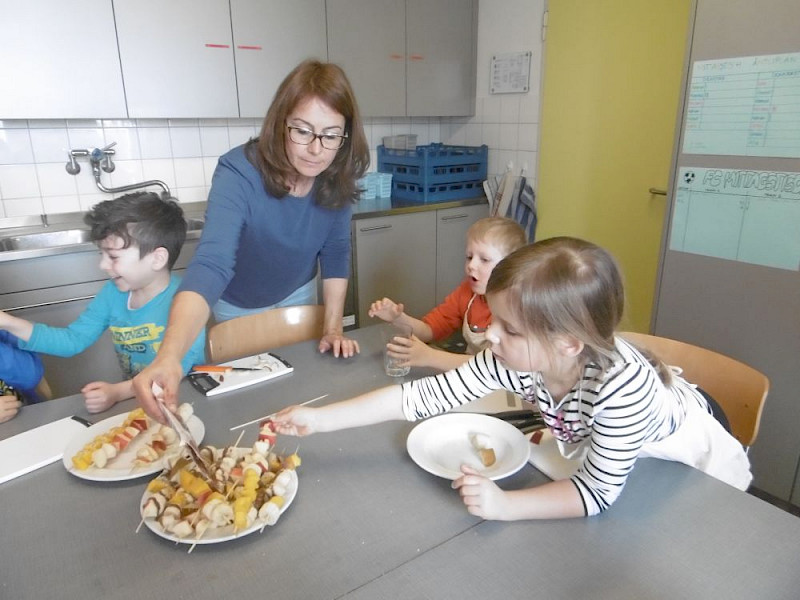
(251, 334)
(43, 390)
(737, 387)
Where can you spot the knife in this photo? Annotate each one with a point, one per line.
(187, 440)
(221, 369)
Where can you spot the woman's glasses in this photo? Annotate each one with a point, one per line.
(304, 137)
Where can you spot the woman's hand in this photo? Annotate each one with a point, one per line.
(99, 395)
(480, 495)
(296, 420)
(339, 345)
(167, 373)
(385, 309)
(9, 407)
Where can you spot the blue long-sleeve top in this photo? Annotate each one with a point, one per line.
(20, 369)
(256, 249)
(137, 333)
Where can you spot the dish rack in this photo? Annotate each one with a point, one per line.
(435, 172)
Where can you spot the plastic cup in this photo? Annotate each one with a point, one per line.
(391, 365)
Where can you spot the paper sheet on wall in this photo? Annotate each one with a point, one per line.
(736, 214)
(748, 106)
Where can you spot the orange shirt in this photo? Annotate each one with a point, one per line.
(449, 315)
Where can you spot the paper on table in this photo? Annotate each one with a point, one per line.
(36, 448)
(546, 457)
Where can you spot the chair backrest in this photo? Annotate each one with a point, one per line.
(737, 387)
(251, 334)
(43, 390)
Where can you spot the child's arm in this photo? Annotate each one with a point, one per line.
(99, 395)
(20, 328)
(380, 405)
(555, 500)
(387, 310)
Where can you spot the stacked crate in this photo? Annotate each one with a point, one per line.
(435, 172)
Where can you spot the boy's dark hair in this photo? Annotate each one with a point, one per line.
(143, 219)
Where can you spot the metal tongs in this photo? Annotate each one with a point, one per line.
(526, 420)
(187, 440)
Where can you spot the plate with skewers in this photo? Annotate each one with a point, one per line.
(252, 490)
(126, 446)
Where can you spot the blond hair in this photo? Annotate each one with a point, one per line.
(564, 286)
(504, 234)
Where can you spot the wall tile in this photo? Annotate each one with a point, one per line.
(87, 138)
(18, 181)
(191, 194)
(509, 108)
(14, 124)
(528, 133)
(154, 142)
(239, 134)
(185, 142)
(55, 181)
(188, 172)
(61, 204)
(87, 201)
(209, 165)
(126, 173)
(50, 145)
(161, 169)
(127, 143)
(21, 207)
(15, 147)
(214, 141)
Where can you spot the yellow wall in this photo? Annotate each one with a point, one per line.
(611, 87)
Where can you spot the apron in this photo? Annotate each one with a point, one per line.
(476, 340)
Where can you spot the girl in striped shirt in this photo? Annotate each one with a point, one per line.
(555, 306)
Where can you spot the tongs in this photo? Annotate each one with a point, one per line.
(526, 420)
(187, 440)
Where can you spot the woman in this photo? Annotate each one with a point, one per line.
(278, 204)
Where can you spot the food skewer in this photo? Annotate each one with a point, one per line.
(276, 412)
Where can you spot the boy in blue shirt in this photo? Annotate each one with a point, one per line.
(20, 373)
(139, 236)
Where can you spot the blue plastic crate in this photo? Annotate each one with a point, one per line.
(435, 172)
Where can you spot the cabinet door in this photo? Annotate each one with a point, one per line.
(368, 39)
(394, 258)
(441, 53)
(451, 243)
(59, 60)
(177, 58)
(271, 37)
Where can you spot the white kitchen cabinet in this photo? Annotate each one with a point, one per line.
(59, 60)
(414, 258)
(407, 57)
(177, 58)
(270, 38)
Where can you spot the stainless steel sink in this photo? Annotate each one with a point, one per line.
(44, 239)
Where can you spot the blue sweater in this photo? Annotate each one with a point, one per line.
(137, 334)
(256, 249)
(19, 369)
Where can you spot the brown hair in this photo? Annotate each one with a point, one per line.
(337, 185)
(504, 234)
(564, 286)
(141, 219)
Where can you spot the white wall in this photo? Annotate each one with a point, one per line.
(183, 152)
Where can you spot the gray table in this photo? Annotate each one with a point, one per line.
(368, 523)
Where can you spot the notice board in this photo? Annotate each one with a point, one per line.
(729, 275)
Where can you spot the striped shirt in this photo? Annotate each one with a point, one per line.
(605, 418)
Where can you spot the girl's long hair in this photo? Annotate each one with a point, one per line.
(327, 82)
(564, 286)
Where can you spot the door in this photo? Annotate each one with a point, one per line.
(177, 58)
(271, 37)
(611, 87)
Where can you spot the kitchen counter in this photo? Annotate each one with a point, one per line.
(379, 207)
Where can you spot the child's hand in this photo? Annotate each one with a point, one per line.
(412, 351)
(385, 309)
(99, 396)
(9, 407)
(296, 420)
(480, 495)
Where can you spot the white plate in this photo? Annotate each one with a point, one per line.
(122, 467)
(219, 534)
(440, 445)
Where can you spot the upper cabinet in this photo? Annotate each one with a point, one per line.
(177, 58)
(59, 59)
(407, 57)
(270, 38)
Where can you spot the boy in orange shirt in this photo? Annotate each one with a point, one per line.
(489, 240)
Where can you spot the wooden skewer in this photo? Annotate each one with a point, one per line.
(274, 413)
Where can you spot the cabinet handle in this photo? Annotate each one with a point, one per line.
(249, 47)
(454, 217)
(218, 45)
(53, 303)
(375, 228)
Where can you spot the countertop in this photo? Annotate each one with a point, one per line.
(376, 207)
